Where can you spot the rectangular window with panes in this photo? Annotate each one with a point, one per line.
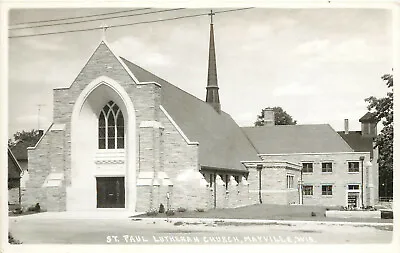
(326, 167)
(289, 181)
(353, 187)
(307, 167)
(308, 190)
(327, 190)
(354, 166)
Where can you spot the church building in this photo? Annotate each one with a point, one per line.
(123, 138)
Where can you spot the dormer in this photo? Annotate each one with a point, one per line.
(368, 125)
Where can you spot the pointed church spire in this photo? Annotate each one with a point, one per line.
(212, 96)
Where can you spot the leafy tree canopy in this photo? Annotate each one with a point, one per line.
(26, 136)
(383, 110)
(281, 117)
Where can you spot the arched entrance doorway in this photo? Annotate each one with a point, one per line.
(103, 154)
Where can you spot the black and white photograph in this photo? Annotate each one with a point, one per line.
(222, 125)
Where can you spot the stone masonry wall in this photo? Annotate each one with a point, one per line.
(13, 195)
(339, 177)
(48, 157)
(180, 158)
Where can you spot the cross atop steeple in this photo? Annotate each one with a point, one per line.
(104, 27)
(211, 14)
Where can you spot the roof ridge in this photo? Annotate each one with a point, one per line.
(167, 82)
(341, 138)
(263, 127)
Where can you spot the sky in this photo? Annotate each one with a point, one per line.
(317, 64)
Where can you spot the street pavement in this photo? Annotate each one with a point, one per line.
(122, 231)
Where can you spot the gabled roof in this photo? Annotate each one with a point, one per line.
(357, 142)
(368, 117)
(282, 139)
(14, 169)
(222, 142)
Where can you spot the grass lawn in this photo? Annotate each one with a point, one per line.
(265, 212)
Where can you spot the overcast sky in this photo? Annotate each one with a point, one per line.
(319, 65)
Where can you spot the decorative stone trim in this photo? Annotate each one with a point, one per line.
(58, 127)
(109, 161)
(150, 178)
(147, 83)
(53, 180)
(110, 156)
(151, 124)
(272, 164)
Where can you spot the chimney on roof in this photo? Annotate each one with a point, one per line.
(212, 96)
(268, 117)
(346, 126)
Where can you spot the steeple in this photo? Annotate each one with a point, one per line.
(212, 96)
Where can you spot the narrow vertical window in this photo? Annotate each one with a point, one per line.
(111, 127)
(102, 131)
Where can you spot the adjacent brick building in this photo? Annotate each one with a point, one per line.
(338, 169)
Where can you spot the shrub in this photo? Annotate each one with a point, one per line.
(152, 212)
(35, 208)
(12, 240)
(200, 210)
(170, 212)
(181, 209)
(17, 211)
(313, 214)
(161, 209)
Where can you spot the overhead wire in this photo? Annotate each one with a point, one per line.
(86, 16)
(95, 19)
(128, 24)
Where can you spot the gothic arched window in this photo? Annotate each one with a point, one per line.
(111, 127)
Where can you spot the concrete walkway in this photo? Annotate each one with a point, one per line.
(73, 215)
(266, 222)
(121, 215)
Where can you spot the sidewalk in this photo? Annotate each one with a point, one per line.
(83, 215)
(266, 222)
(125, 215)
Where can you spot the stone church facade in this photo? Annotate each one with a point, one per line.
(123, 138)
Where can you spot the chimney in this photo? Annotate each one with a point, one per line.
(346, 126)
(269, 117)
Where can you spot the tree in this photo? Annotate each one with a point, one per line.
(281, 117)
(31, 137)
(383, 111)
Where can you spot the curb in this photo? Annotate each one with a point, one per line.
(75, 216)
(266, 222)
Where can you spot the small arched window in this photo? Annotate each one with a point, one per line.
(111, 127)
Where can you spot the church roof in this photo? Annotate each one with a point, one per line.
(223, 144)
(282, 139)
(14, 169)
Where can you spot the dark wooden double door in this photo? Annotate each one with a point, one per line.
(110, 192)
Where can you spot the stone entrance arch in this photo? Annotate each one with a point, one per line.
(88, 162)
